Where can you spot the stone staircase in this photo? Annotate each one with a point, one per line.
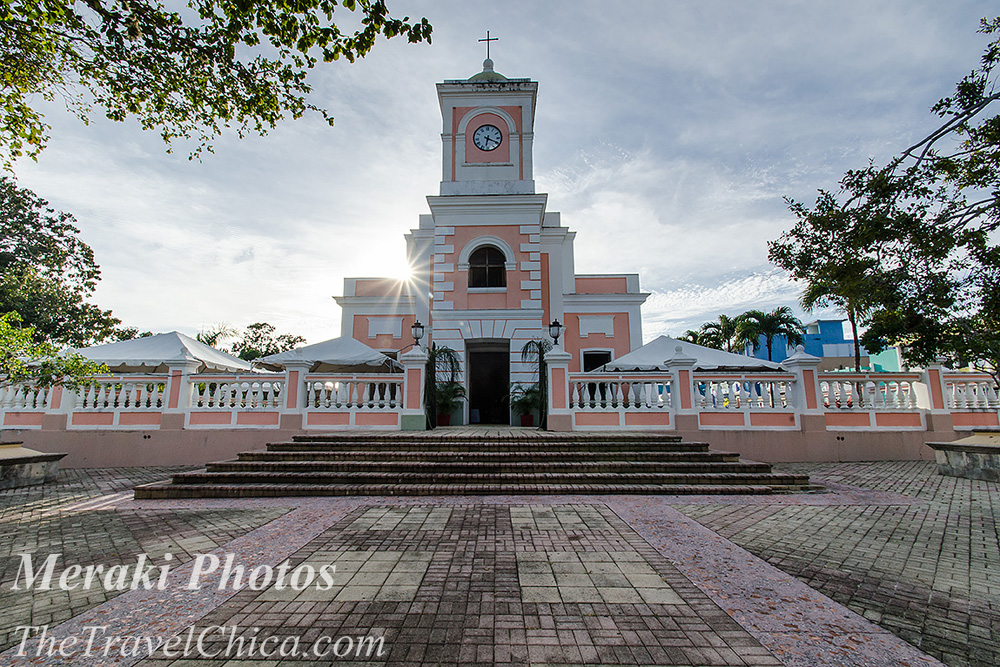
(468, 461)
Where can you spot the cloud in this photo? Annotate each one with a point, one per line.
(666, 134)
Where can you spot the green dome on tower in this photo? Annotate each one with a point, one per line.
(488, 74)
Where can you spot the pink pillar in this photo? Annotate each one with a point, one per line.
(685, 416)
(293, 412)
(414, 367)
(560, 417)
(806, 392)
(178, 392)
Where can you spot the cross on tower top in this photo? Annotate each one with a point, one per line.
(488, 40)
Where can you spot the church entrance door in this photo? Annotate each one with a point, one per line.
(489, 381)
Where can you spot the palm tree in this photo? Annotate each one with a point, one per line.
(756, 324)
(847, 291)
(692, 336)
(719, 334)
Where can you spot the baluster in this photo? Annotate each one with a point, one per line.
(981, 401)
(342, 395)
(352, 394)
(619, 395)
(106, 397)
(992, 398)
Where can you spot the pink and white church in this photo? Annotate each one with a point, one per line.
(491, 265)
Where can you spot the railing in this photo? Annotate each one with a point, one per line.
(868, 391)
(121, 393)
(20, 397)
(742, 392)
(368, 392)
(968, 391)
(619, 392)
(236, 393)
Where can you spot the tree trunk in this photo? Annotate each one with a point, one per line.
(857, 344)
(768, 348)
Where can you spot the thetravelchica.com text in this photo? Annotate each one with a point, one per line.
(214, 641)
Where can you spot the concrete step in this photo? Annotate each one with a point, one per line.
(439, 477)
(458, 466)
(440, 463)
(483, 446)
(163, 490)
(505, 456)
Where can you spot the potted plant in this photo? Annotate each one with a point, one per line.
(526, 401)
(443, 390)
(448, 397)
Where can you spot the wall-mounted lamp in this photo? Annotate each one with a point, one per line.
(417, 330)
(554, 329)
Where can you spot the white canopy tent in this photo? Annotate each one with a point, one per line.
(152, 354)
(337, 355)
(653, 357)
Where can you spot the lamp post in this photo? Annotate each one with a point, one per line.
(555, 328)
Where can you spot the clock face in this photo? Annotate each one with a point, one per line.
(487, 138)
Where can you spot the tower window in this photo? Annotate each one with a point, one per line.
(487, 268)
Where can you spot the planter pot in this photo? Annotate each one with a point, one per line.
(527, 420)
(443, 420)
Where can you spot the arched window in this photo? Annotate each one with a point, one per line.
(487, 268)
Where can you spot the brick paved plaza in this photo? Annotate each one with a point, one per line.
(892, 552)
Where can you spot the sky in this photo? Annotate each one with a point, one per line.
(667, 134)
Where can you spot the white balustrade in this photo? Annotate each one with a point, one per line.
(235, 393)
(354, 393)
(108, 395)
(604, 392)
(867, 391)
(23, 397)
(742, 392)
(971, 393)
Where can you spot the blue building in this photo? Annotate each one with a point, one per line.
(828, 339)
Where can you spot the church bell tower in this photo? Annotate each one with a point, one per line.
(487, 134)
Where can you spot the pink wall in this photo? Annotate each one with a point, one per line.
(379, 287)
(123, 449)
(823, 446)
(575, 344)
(383, 341)
(601, 285)
(473, 155)
(514, 295)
